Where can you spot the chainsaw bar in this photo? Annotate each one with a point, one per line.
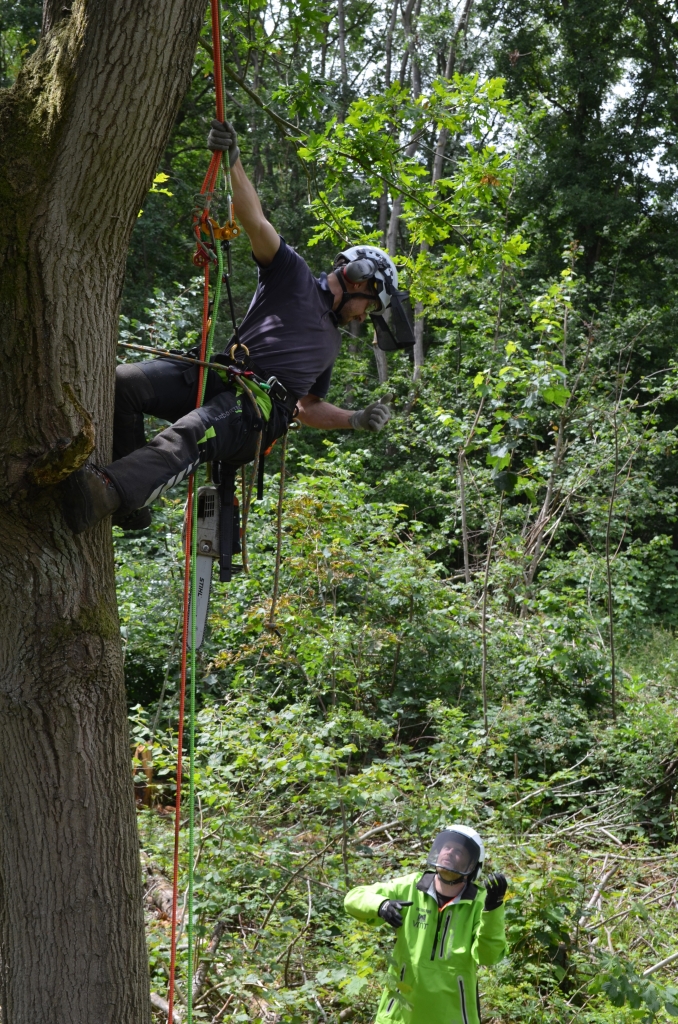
(203, 566)
(207, 530)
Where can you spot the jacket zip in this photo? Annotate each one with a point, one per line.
(462, 998)
(444, 936)
(435, 938)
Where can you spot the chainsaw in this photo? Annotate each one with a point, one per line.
(217, 539)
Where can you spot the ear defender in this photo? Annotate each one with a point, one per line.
(360, 270)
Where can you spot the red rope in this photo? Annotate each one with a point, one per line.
(180, 752)
(208, 185)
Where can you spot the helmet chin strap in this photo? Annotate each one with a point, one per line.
(346, 294)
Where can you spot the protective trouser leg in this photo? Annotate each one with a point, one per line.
(218, 430)
(157, 387)
(133, 392)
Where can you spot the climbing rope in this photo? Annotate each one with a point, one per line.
(203, 224)
(207, 254)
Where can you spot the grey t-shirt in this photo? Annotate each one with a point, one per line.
(289, 328)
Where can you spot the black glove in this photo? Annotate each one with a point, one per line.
(374, 417)
(390, 911)
(222, 137)
(495, 887)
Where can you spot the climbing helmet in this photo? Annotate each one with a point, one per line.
(457, 853)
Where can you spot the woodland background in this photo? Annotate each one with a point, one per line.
(479, 605)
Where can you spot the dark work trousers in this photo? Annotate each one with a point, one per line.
(225, 428)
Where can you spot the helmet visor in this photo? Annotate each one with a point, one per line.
(394, 331)
(454, 854)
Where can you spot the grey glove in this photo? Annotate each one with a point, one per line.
(223, 137)
(374, 417)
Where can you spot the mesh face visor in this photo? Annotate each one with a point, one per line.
(453, 851)
(396, 332)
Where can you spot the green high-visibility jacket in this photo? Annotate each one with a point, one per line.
(433, 977)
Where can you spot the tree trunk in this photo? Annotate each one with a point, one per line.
(80, 134)
(341, 22)
(381, 361)
(389, 44)
(439, 155)
(410, 16)
(349, 391)
(392, 231)
(438, 161)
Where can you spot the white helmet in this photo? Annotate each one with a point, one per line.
(367, 263)
(457, 848)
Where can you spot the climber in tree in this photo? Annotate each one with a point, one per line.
(291, 332)
(446, 926)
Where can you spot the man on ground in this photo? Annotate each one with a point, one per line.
(446, 925)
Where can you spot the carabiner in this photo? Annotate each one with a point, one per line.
(234, 349)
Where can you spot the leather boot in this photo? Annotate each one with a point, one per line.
(87, 496)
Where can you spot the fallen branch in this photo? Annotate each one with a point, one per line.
(376, 831)
(597, 892)
(662, 963)
(288, 952)
(206, 959)
(157, 887)
(610, 836)
(554, 786)
(661, 856)
(162, 1004)
(289, 871)
(286, 886)
(627, 913)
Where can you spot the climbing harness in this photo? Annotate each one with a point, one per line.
(231, 372)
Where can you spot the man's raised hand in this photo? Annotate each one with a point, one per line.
(495, 887)
(224, 137)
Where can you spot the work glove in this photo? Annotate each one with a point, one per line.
(223, 137)
(390, 911)
(374, 417)
(495, 888)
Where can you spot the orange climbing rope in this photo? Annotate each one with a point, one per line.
(202, 224)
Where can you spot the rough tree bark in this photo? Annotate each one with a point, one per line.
(80, 134)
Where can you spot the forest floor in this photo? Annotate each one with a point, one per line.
(324, 761)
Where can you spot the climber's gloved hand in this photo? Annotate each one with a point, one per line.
(390, 911)
(374, 417)
(224, 137)
(495, 887)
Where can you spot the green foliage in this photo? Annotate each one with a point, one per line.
(20, 22)
(364, 712)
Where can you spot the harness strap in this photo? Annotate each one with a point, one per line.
(229, 523)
